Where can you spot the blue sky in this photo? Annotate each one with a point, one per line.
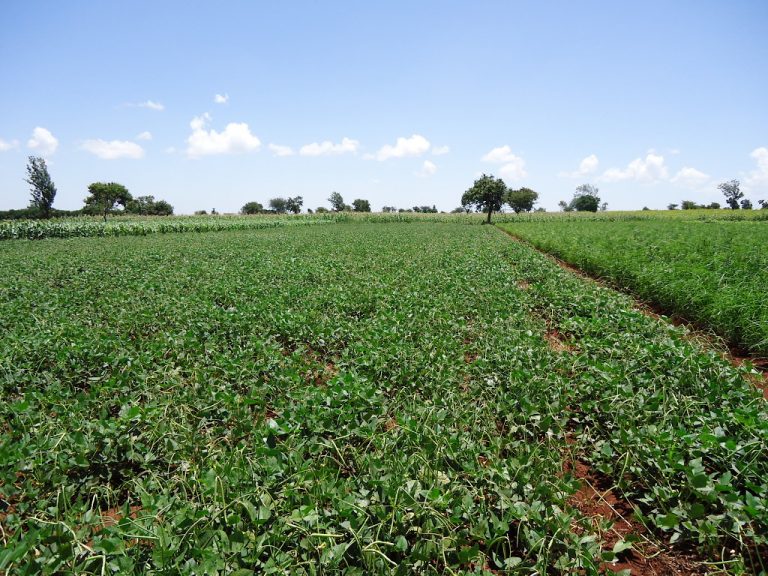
(213, 104)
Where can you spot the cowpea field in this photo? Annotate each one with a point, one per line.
(359, 398)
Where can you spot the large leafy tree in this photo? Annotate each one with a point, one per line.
(104, 196)
(486, 195)
(586, 198)
(522, 200)
(360, 205)
(40, 185)
(148, 206)
(279, 205)
(337, 202)
(732, 193)
(252, 208)
(294, 204)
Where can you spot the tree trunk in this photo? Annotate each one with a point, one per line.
(488, 221)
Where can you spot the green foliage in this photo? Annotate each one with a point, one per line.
(41, 186)
(521, 200)
(486, 195)
(713, 273)
(104, 196)
(251, 208)
(148, 206)
(279, 205)
(359, 205)
(585, 199)
(172, 410)
(732, 193)
(337, 202)
(294, 204)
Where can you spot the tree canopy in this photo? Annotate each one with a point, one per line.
(294, 204)
(148, 206)
(252, 208)
(103, 196)
(40, 185)
(337, 202)
(585, 199)
(732, 193)
(522, 200)
(359, 205)
(485, 195)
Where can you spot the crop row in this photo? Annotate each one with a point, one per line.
(142, 226)
(377, 398)
(712, 273)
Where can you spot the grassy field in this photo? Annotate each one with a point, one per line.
(712, 272)
(356, 398)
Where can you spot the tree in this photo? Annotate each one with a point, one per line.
(252, 208)
(105, 195)
(41, 186)
(763, 204)
(522, 200)
(337, 202)
(564, 206)
(746, 204)
(486, 195)
(359, 205)
(671, 206)
(714, 206)
(688, 205)
(388, 209)
(279, 205)
(585, 199)
(148, 206)
(321, 210)
(294, 204)
(732, 193)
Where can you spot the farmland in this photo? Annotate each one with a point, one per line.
(358, 398)
(712, 272)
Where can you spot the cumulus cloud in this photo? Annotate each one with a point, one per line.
(440, 150)
(757, 180)
(649, 169)
(221, 98)
(8, 145)
(586, 167)
(42, 141)
(428, 168)
(512, 166)
(328, 148)
(690, 178)
(415, 145)
(144, 136)
(235, 138)
(279, 150)
(113, 149)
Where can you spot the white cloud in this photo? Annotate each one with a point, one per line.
(586, 167)
(221, 98)
(279, 150)
(415, 145)
(235, 138)
(513, 167)
(8, 145)
(648, 169)
(428, 168)
(144, 136)
(440, 150)
(690, 178)
(757, 180)
(42, 141)
(113, 149)
(151, 105)
(328, 148)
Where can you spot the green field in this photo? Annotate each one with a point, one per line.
(355, 398)
(711, 272)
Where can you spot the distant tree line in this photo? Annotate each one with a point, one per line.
(102, 199)
(489, 194)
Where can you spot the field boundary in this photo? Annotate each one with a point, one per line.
(697, 333)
